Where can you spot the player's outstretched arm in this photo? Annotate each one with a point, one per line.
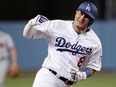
(14, 69)
(28, 31)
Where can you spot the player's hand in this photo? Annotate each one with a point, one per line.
(14, 71)
(73, 75)
(77, 75)
(81, 75)
(39, 19)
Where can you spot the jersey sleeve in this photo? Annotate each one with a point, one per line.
(42, 31)
(94, 60)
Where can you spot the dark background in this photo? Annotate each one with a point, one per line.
(53, 9)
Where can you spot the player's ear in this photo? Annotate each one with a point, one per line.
(91, 22)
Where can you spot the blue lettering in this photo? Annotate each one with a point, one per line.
(83, 49)
(68, 44)
(74, 48)
(60, 42)
(89, 50)
(79, 47)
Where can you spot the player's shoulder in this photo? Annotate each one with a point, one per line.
(4, 34)
(59, 21)
(94, 36)
(93, 33)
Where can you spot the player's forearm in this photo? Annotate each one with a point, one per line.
(13, 55)
(92, 71)
(81, 75)
(28, 31)
(85, 74)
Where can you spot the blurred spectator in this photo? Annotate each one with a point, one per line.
(7, 49)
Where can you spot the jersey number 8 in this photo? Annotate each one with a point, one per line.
(81, 60)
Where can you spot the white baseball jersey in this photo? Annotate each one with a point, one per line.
(67, 49)
(5, 43)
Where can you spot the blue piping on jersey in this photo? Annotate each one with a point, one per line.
(87, 30)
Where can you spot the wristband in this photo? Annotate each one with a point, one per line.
(88, 73)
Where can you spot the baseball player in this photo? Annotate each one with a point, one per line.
(7, 47)
(74, 49)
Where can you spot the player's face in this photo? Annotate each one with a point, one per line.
(81, 20)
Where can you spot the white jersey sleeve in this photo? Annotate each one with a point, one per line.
(94, 60)
(29, 31)
(41, 31)
(36, 31)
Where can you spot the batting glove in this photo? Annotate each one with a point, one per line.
(81, 75)
(39, 19)
(73, 75)
(77, 75)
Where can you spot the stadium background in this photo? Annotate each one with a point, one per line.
(14, 14)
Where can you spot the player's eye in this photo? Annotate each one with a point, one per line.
(81, 13)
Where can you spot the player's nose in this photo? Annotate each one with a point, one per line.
(82, 17)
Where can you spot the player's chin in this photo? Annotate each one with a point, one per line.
(81, 26)
(80, 23)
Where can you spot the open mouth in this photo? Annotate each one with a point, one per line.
(81, 22)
